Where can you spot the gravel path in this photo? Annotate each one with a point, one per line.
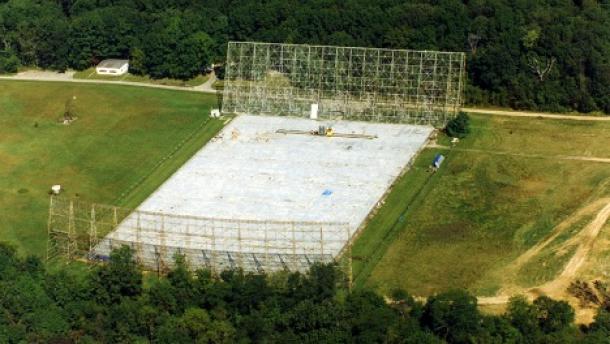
(513, 113)
(34, 75)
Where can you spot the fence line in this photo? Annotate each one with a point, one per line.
(81, 229)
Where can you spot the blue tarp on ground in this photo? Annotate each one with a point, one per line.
(438, 160)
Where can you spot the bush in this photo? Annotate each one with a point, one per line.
(9, 64)
(459, 126)
(220, 72)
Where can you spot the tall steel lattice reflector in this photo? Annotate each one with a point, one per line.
(364, 84)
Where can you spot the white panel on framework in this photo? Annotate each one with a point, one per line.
(250, 172)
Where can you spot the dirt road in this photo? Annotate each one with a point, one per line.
(69, 77)
(557, 288)
(514, 113)
(207, 88)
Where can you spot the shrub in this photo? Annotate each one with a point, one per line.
(9, 64)
(459, 126)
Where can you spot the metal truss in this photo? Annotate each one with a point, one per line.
(366, 84)
(78, 229)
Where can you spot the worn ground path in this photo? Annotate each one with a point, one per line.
(515, 113)
(525, 155)
(34, 75)
(557, 288)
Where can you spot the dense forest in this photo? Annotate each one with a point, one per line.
(116, 303)
(547, 54)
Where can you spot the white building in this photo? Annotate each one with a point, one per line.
(112, 67)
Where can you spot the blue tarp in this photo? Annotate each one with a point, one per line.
(327, 192)
(438, 160)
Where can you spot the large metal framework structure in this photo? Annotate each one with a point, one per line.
(78, 229)
(367, 84)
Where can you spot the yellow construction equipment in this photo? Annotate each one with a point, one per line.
(326, 132)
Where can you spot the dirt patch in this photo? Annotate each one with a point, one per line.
(584, 241)
(559, 229)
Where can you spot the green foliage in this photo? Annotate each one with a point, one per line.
(509, 45)
(137, 61)
(553, 316)
(186, 307)
(120, 278)
(453, 316)
(459, 126)
(9, 64)
(220, 72)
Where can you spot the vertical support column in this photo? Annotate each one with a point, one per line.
(139, 252)
(240, 252)
(115, 219)
(266, 248)
(350, 86)
(419, 104)
(322, 241)
(394, 89)
(229, 79)
(320, 78)
(375, 85)
(349, 272)
(407, 91)
(363, 76)
(433, 101)
(50, 238)
(251, 79)
(187, 242)
(162, 244)
(71, 232)
(295, 75)
(309, 85)
(336, 82)
(214, 263)
(294, 248)
(449, 88)
(266, 92)
(461, 81)
(92, 230)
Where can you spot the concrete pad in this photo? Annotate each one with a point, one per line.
(250, 172)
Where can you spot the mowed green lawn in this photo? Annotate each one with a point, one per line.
(488, 203)
(125, 142)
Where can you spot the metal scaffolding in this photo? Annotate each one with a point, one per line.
(366, 84)
(78, 229)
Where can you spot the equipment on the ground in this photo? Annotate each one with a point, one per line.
(325, 131)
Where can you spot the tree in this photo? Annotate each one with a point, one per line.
(137, 61)
(369, 317)
(120, 278)
(458, 126)
(553, 316)
(452, 316)
(195, 326)
(9, 63)
(523, 317)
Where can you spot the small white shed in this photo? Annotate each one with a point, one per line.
(112, 67)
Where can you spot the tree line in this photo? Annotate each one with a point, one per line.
(548, 55)
(117, 303)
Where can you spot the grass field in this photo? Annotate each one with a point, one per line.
(91, 74)
(501, 191)
(125, 139)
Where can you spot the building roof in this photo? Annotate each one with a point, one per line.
(112, 63)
